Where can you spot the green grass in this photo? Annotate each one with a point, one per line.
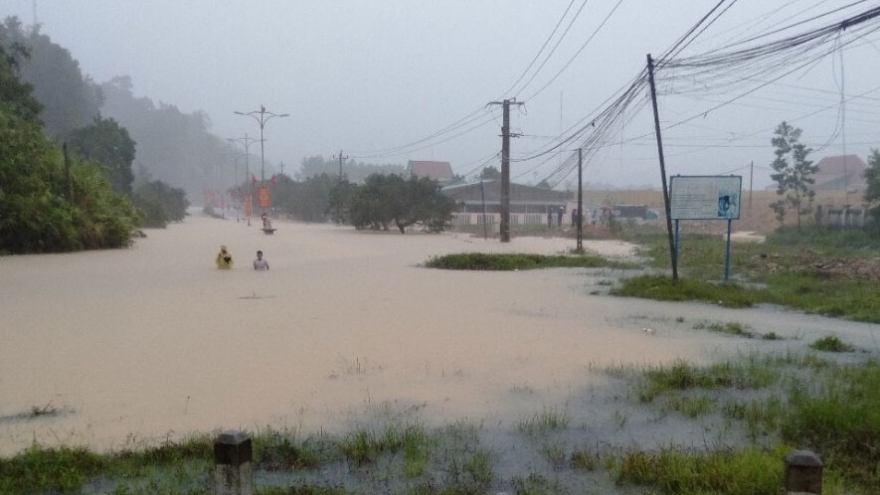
(831, 343)
(507, 262)
(663, 288)
(780, 401)
(549, 419)
(748, 471)
(730, 328)
(790, 269)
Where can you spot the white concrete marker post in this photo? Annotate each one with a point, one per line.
(233, 471)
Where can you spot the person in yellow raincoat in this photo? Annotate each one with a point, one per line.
(224, 259)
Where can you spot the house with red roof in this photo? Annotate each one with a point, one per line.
(840, 173)
(439, 171)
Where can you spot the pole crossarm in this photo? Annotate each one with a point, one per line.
(262, 116)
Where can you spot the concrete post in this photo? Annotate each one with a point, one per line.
(233, 472)
(803, 472)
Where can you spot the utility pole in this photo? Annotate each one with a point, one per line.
(341, 158)
(580, 212)
(282, 168)
(672, 246)
(751, 176)
(505, 168)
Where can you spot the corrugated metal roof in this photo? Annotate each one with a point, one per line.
(430, 169)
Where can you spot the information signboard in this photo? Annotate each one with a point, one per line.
(705, 197)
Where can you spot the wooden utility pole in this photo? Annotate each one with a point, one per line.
(505, 168)
(672, 246)
(341, 158)
(66, 162)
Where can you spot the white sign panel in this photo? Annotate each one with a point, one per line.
(705, 197)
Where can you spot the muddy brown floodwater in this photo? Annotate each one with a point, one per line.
(142, 344)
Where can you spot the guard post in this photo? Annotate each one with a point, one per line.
(233, 471)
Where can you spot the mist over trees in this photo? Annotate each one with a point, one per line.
(172, 146)
(351, 170)
(70, 100)
(46, 205)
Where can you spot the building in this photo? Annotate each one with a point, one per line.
(840, 173)
(528, 204)
(439, 171)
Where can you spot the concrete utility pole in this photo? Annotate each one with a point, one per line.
(580, 211)
(341, 158)
(672, 246)
(505, 168)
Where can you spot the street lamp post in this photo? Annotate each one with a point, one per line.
(247, 141)
(262, 116)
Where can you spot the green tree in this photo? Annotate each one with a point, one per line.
(872, 193)
(160, 204)
(386, 199)
(37, 211)
(490, 173)
(106, 142)
(308, 200)
(794, 173)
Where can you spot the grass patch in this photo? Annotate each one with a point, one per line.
(663, 288)
(730, 328)
(543, 422)
(831, 273)
(831, 343)
(747, 471)
(39, 470)
(681, 376)
(508, 262)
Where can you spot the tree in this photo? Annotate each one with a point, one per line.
(490, 173)
(37, 212)
(872, 193)
(159, 204)
(385, 199)
(794, 173)
(106, 142)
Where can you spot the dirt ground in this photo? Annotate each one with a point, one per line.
(153, 342)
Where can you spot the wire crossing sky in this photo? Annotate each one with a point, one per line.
(395, 80)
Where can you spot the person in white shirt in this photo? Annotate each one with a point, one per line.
(260, 263)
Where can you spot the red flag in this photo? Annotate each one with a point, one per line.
(253, 178)
(272, 180)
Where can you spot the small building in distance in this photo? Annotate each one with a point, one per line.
(439, 171)
(529, 205)
(844, 173)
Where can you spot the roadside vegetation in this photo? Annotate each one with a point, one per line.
(520, 261)
(752, 411)
(832, 273)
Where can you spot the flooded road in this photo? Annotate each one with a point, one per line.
(153, 342)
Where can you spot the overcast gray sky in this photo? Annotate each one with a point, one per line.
(373, 77)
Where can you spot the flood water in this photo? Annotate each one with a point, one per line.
(152, 342)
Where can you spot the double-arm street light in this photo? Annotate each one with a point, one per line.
(262, 116)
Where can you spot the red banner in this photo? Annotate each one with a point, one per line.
(263, 197)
